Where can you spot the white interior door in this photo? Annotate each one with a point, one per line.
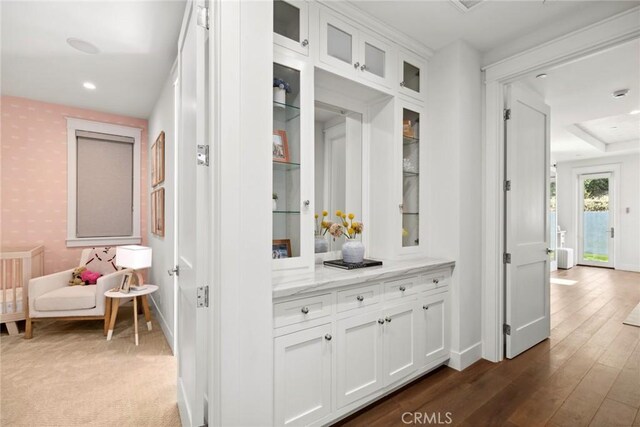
(191, 236)
(527, 312)
(595, 219)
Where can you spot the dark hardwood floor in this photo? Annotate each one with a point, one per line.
(586, 374)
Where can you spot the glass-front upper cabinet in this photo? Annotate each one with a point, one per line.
(292, 163)
(410, 206)
(291, 25)
(412, 75)
(377, 58)
(338, 44)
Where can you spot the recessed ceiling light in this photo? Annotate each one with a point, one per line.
(635, 112)
(541, 76)
(620, 93)
(89, 85)
(82, 46)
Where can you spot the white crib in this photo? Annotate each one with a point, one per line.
(17, 266)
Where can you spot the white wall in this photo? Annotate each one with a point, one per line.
(628, 232)
(163, 119)
(454, 158)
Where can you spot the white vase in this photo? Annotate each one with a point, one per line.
(352, 251)
(274, 206)
(321, 245)
(279, 96)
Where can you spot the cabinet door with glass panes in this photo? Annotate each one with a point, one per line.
(411, 207)
(412, 75)
(339, 45)
(291, 25)
(292, 163)
(377, 60)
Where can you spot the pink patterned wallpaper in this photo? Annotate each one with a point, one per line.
(33, 155)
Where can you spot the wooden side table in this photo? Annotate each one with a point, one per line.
(113, 301)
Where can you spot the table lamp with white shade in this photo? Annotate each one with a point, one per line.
(134, 257)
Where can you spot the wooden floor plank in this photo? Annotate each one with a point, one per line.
(587, 372)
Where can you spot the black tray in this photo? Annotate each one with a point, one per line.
(338, 263)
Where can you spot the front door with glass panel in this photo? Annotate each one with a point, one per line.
(595, 220)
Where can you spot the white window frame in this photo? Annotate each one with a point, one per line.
(73, 125)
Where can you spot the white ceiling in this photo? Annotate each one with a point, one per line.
(583, 112)
(496, 28)
(137, 42)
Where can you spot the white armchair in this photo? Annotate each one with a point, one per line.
(51, 296)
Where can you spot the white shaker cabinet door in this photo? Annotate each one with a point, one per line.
(303, 376)
(400, 352)
(359, 357)
(433, 327)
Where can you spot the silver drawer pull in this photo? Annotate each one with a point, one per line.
(305, 310)
(381, 321)
(425, 307)
(402, 288)
(436, 281)
(328, 337)
(360, 298)
(387, 319)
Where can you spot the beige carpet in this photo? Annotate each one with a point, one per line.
(69, 375)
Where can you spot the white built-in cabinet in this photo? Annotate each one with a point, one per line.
(357, 53)
(412, 75)
(339, 349)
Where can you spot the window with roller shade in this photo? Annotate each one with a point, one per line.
(104, 204)
(103, 184)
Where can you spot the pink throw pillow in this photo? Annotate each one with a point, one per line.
(90, 277)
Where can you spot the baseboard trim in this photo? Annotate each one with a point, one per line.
(168, 334)
(467, 357)
(628, 267)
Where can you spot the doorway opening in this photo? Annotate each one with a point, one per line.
(596, 229)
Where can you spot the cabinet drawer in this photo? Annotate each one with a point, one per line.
(358, 297)
(435, 280)
(400, 288)
(300, 310)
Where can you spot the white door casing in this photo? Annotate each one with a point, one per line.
(526, 221)
(192, 220)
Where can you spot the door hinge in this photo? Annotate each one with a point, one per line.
(506, 258)
(506, 114)
(203, 17)
(203, 296)
(507, 185)
(203, 155)
(506, 329)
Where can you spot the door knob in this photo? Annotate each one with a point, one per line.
(549, 250)
(613, 233)
(175, 270)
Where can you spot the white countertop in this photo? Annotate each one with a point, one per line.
(324, 278)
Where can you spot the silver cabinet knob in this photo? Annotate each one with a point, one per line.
(305, 310)
(381, 321)
(306, 203)
(360, 298)
(401, 84)
(425, 307)
(175, 270)
(402, 288)
(436, 281)
(549, 250)
(328, 337)
(387, 319)
(305, 43)
(356, 65)
(401, 206)
(364, 67)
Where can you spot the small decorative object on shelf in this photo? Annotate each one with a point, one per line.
(321, 228)
(352, 250)
(408, 166)
(407, 129)
(281, 249)
(280, 90)
(275, 202)
(280, 146)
